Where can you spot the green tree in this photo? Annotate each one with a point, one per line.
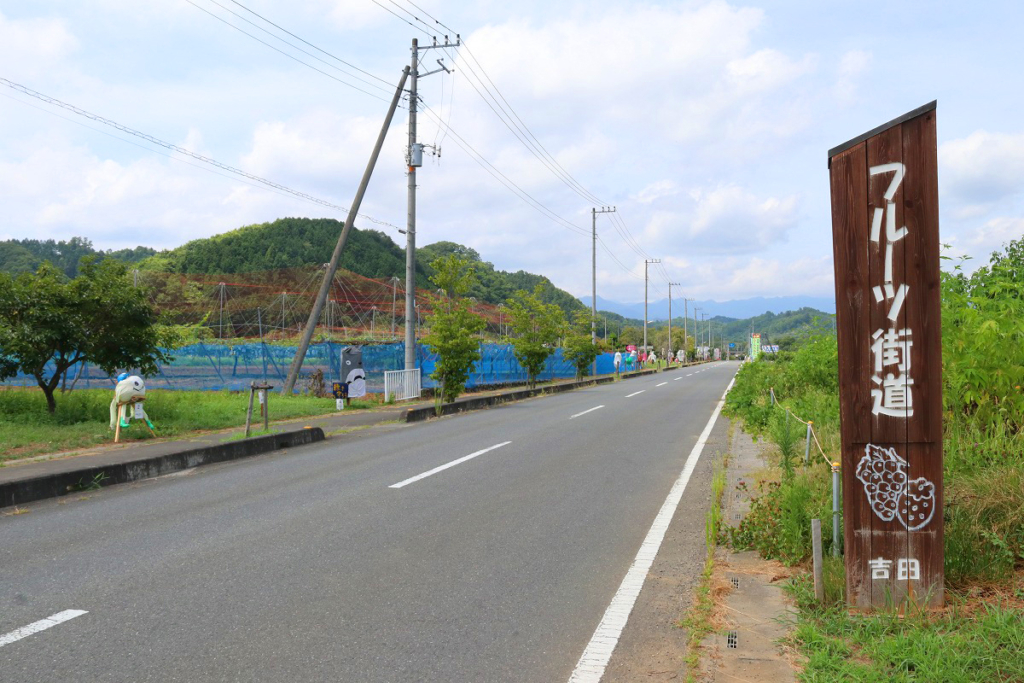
(48, 324)
(453, 326)
(631, 335)
(536, 327)
(577, 347)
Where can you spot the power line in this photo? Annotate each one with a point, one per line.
(180, 150)
(289, 56)
(508, 116)
(518, 127)
(436, 21)
(503, 179)
(401, 18)
(296, 47)
(280, 28)
(148, 149)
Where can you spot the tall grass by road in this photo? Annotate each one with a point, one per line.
(980, 635)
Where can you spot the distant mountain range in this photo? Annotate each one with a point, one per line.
(737, 308)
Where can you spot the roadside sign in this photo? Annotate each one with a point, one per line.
(885, 232)
(339, 389)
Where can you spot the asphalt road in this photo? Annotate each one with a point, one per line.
(315, 565)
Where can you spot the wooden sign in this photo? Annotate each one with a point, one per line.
(885, 232)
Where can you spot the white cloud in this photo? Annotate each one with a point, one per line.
(852, 65)
(995, 233)
(732, 219)
(766, 69)
(34, 45)
(656, 190)
(983, 167)
(742, 279)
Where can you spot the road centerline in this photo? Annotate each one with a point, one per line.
(441, 468)
(635, 393)
(677, 379)
(586, 411)
(660, 385)
(41, 625)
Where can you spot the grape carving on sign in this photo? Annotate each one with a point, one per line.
(891, 493)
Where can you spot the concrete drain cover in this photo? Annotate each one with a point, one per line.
(732, 639)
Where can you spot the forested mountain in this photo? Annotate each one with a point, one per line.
(785, 329)
(287, 243)
(21, 256)
(496, 286)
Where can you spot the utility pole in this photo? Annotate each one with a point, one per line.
(646, 263)
(670, 318)
(593, 282)
(696, 331)
(686, 315)
(415, 159)
(332, 267)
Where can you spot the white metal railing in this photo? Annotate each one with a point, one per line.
(401, 384)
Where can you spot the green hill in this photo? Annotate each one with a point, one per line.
(25, 256)
(286, 243)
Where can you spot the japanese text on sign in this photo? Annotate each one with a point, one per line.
(892, 394)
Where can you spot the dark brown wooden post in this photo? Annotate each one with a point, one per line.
(885, 230)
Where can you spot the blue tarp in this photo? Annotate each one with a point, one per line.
(215, 366)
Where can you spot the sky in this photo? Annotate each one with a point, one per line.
(705, 124)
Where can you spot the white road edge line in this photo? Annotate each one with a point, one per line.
(41, 625)
(635, 393)
(586, 411)
(445, 466)
(660, 385)
(591, 665)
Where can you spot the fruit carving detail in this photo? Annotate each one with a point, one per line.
(890, 491)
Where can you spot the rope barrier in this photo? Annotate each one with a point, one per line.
(776, 402)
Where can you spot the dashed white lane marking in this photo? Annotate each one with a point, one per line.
(677, 379)
(441, 468)
(690, 374)
(592, 663)
(586, 411)
(41, 625)
(635, 393)
(660, 385)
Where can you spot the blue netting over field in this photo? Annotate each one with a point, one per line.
(222, 366)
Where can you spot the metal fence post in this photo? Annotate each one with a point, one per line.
(807, 446)
(835, 509)
(819, 583)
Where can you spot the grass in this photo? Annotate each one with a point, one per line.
(82, 417)
(979, 636)
(965, 643)
(699, 621)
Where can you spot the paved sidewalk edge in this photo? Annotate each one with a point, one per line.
(481, 402)
(20, 492)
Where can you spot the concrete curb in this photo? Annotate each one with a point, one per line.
(427, 412)
(27, 490)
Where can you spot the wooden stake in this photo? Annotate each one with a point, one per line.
(819, 583)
